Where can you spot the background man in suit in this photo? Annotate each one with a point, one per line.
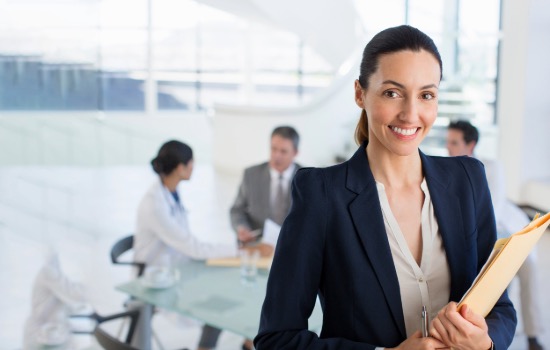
(462, 138)
(264, 193)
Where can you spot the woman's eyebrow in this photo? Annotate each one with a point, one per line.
(392, 82)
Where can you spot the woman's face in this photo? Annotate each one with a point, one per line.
(185, 170)
(401, 100)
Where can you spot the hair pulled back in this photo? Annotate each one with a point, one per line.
(170, 155)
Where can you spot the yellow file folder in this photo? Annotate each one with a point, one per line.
(504, 262)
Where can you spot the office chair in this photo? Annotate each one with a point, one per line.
(122, 246)
(109, 342)
(119, 248)
(103, 338)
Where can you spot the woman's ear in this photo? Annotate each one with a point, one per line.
(359, 94)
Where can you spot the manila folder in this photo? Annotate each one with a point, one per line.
(504, 262)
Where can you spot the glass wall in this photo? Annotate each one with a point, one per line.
(98, 55)
(104, 54)
(48, 59)
(477, 57)
(467, 33)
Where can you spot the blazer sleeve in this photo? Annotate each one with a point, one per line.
(297, 272)
(237, 213)
(502, 319)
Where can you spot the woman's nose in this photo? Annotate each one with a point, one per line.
(410, 110)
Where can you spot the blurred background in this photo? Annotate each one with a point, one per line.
(89, 89)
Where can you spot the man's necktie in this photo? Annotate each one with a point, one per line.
(279, 209)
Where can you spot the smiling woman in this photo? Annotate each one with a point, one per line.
(400, 106)
(391, 231)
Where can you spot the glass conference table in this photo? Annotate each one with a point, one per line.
(214, 295)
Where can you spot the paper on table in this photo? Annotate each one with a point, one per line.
(271, 232)
(505, 260)
(270, 236)
(263, 262)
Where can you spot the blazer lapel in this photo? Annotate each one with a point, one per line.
(449, 218)
(368, 220)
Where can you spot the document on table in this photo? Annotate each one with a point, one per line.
(271, 232)
(270, 236)
(504, 262)
(264, 262)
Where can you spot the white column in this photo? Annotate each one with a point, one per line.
(150, 83)
(523, 105)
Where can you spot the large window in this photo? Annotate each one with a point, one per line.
(467, 33)
(103, 55)
(116, 54)
(48, 60)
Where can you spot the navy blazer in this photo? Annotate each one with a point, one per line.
(334, 244)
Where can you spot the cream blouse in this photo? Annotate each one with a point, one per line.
(428, 284)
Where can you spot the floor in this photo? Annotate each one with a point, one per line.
(81, 212)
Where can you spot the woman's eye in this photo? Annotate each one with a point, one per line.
(391, 94)
(428, 96)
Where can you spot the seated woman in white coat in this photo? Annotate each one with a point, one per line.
(162, 235)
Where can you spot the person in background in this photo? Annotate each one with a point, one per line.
(54, 296)
(389, 231)
(264, 193)
(163, 237)
(162, 233)
(462, 138)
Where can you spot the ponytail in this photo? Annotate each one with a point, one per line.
(362, 129)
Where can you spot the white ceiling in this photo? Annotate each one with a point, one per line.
(331, 28)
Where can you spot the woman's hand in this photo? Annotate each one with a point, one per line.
(462, 329)
(417, 342)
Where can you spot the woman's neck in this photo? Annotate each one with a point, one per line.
(394, 170)
(171, 182)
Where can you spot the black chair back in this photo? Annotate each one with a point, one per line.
(121, 247)
(109, 342)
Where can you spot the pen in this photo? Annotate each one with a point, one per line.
(425, 321)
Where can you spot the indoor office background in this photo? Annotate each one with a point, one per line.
(89, 89)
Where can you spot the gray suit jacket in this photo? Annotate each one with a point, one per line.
(251, 207)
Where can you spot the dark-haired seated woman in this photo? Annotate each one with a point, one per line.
(162, 234)
(163, 237)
